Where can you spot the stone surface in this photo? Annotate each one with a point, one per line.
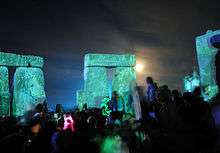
(28, 89)
(95, 85)
(124, 76)
(191, 82)
(206, 60)
(110, 60)
(80, 96)
(10, 59)
(4, 91)
(104, 73)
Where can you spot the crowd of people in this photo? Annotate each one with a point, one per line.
(164, 121)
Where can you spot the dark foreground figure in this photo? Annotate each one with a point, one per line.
(177, 124)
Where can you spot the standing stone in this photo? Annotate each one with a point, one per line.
(81, 98)
(124, 76)
(4, 91)
(28, 89)
(206, 60)
(96, 85)
(104, 73)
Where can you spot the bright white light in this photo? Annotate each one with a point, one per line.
(139, 67)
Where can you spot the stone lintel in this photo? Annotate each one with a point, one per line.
(109, 60)
(203, 43)
(10, 59)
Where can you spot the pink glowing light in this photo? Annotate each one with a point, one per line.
(68, 123)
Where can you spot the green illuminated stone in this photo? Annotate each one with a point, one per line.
(110, 60)
(28, 89)
(96, 85)
(121, 83)
(4, 91)
(105, 106)
(206, 60)
(104, 73)
(28, 82)
(191, 82)
(80, 96)
(10, 59)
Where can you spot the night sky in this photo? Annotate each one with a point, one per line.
(160, 32)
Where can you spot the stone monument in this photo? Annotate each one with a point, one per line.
(28, 83)
(103, 74)
(207, 49)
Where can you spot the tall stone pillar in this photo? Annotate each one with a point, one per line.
(124, 77)
(206, 53)
(4, 91)
(96, 85)
(28, 89)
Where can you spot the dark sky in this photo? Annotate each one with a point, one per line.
(160, 32)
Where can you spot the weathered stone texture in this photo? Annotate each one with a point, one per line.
(96, 85)
(4, 91)
(110, 60)
(123, 77)
(81, 98)
(122, 83)
(206, 60)
(104, 73)
(28, 89)
(10, 59)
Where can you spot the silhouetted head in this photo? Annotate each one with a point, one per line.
(197, 92)
(175, 93)
(149, 80)
(85, 106)
(188, 97)
(165, 87)
(40, 109)
(58, 108)
(163, 95)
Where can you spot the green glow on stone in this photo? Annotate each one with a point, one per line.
(104, 105)
(80, 96)
(96, 79)
(206, 57)
(28, 82)
(95, 85)
(191, 81)
(4, 91)
(28, 89)
(110, 60)
(10, 59)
